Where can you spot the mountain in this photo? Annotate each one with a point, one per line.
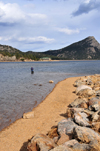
(88, 48)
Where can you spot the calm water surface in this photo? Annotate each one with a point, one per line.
(20, 91)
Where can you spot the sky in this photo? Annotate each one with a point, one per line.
(41, 25)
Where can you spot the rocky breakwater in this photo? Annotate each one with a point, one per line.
(80, 130)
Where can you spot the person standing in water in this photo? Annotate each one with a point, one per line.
(32, 70)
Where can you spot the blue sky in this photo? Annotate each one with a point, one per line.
(41, 25)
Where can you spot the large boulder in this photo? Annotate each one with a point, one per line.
(79, 103)
(82, 87)
(66, 126)
(85, 93)
(96, 116)
(94, 104)
(78, 82)
(81, 119)
(75, 145)
(85, 135)
(43, 143)
(70, 111)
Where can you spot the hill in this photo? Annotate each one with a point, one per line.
(88, 48)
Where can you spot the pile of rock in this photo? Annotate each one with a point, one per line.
(81, 128)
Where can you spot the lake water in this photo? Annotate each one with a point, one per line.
(21, 91)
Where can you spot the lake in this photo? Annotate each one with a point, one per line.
(21, 91)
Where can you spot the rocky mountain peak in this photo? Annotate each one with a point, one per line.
(92, 42)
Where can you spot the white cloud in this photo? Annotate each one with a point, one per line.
(10, 13)
(41, 16)
(36, 39)
(68, 31)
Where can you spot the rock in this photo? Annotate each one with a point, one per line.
(96, 126)
(79, 103)
(89, 82)
(43, 143)
(85, 93)
(94, 104)
(55, 139)
(96, 88)
(85, 135)
(81, 147)
(70, 111)
(97, 84)
(51, 81)
(71, 143)
(32, 147)
(64, 138)
(53, 132)
(96, 116)
(61, 148)
(78, 83)
(81, 121)
(28, 115)
(75, 145)
(94, 145)
(82, 87)
(98, 93)
(88, 112)
(66, 126)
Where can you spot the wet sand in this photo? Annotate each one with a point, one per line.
(46, 114)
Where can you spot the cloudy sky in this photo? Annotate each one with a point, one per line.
(41, 25)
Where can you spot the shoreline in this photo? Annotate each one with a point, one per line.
(52, 108)
(49, 61)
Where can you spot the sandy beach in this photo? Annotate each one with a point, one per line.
(46, 114)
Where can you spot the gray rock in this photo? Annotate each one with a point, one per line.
(86, 93)
(98, 93)
(88, 112)
(82, 87)
(70, 111)
(78, 83)
(95, 116)
(75, 145)
(78, 103)
(89, 81)
(81, 119)
(71, 143)
(61, 148)
(43, 143)
(81, 147)
(94, 104)
(66, 126)
(85, 135)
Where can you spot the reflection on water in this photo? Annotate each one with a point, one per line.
(21, 91)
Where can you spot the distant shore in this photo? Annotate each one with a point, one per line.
(46, 60)
(46, 114)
